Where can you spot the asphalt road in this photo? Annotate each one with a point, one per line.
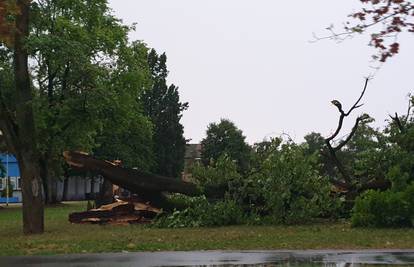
(220, 258)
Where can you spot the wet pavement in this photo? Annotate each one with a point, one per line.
(222, 258)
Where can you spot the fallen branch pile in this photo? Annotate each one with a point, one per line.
(120, 212)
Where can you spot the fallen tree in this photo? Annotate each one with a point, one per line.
(149, 187)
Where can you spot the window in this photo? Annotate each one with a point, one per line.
(13, 182)
(19, 183)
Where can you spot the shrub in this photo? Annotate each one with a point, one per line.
(285, 187)
(216, 178)
(201, 213)
(384, 209)
(292, 188)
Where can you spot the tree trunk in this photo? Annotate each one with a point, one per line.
(105, 195)
(32, 193)
(18, 126)
(49, 180)
(133, 180)
(43, 173)
(148, 187)
(92, 191)
(52, 189)
(52, 182)
(65, 189)
(25, 146)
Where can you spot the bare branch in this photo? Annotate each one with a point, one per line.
(394, 16)
(357, 105)
(343, 114)
(332, 150)
(410, 105)
(402, 122)
(353, 131)
(334, 36)
(349, 32)
(338, 163)
(397, 121)
(338, 128)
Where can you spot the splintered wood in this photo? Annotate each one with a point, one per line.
(120, 212)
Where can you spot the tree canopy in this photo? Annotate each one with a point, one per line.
(163, 106)
(225, 138)
(87, 79)
(82, 89)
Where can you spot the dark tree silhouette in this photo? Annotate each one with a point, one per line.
(225, 138)
(163, 106)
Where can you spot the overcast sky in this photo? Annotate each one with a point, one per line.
(252, 62)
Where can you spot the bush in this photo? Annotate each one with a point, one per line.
(216, 178)
(293, 189)
(384, 209)
(201, 213)
(285, 187)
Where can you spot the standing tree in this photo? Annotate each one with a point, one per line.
(73, 45)
(126, 132)
(225, 138)
(162, 105)
(83, 76)
(17, 121)
(401, 136)
(314, 143)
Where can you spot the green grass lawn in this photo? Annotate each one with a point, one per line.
(63, 237)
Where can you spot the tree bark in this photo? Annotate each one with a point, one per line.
(346, 184)
(32, 193)
(52, 189)
(25, 146)
(65, 188)
(92, 191)
(49, 179)
(130, 179)
(105, 195)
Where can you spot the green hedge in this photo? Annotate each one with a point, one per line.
(385, 209)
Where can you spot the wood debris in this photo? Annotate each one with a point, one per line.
(120, 212)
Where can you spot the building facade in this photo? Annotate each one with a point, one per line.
(192, 156)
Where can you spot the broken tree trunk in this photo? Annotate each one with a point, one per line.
(105, 195)
(149, 187)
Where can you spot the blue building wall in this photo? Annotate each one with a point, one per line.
(11, 167)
